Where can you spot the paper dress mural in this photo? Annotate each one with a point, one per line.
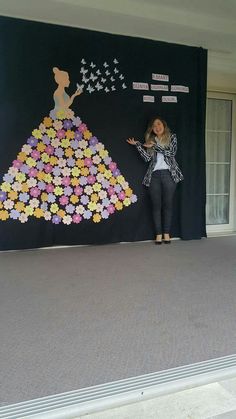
(63, 173)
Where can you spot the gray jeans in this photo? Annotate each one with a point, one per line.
(162, 189)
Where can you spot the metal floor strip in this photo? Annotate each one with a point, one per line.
(100, 397)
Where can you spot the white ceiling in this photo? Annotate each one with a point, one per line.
(210, 24)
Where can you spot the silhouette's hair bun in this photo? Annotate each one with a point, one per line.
(55, 70)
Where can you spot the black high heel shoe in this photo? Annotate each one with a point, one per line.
(158, 242)
(167, 241)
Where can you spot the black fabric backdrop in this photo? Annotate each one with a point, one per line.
(30, 50)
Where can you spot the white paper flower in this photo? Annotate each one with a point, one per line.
(13, 171)
(79, 209)
(8, 204)
(61, 162)
(102, 194)
(83, 144)
(47, 216)
(88, 189)
(16, 186)
(100, 207)
(23, 218)
(57, 180)
(34, 203)
(26, 149)
(67, 219)
(66, 171)
(113, 199)
(31, 182)
(96, 159)
(79, 153)
(55, 142)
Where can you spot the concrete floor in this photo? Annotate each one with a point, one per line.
(211, 401)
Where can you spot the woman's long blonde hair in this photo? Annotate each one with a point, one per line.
(150, 136)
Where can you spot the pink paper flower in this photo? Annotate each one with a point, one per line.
(76, 218)
(111, 209)
(64, 200)
(49, 188)
(65, 181)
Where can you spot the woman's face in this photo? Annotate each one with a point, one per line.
(158, 128)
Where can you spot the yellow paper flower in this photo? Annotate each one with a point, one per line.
(12, 195)
(25, 187)
(126, 202)
(97, 187)
(20, 177)
(92, 206)
(37, 134)
(38, 213)
(4, 215)
(70, 134)
(40, 175)
(119, 205)
(51, 133)
(69, 152)
(58, 191)
(41, 146)
(112, 181)
(84, 171)
(74, 180)
(31, 162)
(107, 174)
(48, 178)
(53, 160)
(103, 153)
(19, 206)
(74, 199)
(128, 192)
(61, 213)
(97, 218)
(87, 134)
(101, 168)
(75, 172)
(6, 187)
(1, 205)
(65, 142)
(44, 197)
(61, 114)
(120, 179)
(29, 210)
(94, 197)
(47, 122)
(54, 208)
(45, 158)
(87, 152)
(80, 163)
(22, 156)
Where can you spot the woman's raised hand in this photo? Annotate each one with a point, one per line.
(131, 141)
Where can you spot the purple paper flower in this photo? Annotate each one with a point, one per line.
(14, 214)
(91, 179)
(84, 199)
(76, 218)
(25, 168)
(35, 192)
(116, 172)
(33, 172)
(64, 200)
(48, 168)
(50, 188)
(40, 165)
(51, 198)
(133, 198)
(105, 184)
(70, 209)
(78, 135)
(8, 178)
(70, 162)
(32, 141)
(78, 190)
(74, 144)
(110, 190)
(107, 160)
(93, 170)
(76, 121)
(68, 191)
(24, 197)
(45, 139)
(42, 185)
(93, 141)
(105, 214)
(117, 188)
(67, 124)
(44, 206)
(17, 164)
(121, 196)
(56, 219)
(83, 180)
(56, 171)
(87, 214)
(53, 114)
(49, 150)
(59, 152)
(3, 196)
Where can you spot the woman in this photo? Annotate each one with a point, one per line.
(162, 175)
(61, 98)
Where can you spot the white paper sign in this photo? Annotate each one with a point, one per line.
(140, 86)
(159, 87)
(148, 98)
(161, 77)
(172, 99)
(175, 88)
